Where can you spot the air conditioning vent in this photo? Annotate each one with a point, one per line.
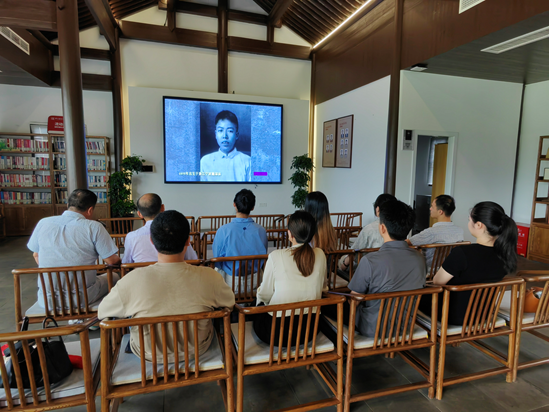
(15, 39)
(465, 5)
(518, 41)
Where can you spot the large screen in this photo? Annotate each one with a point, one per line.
(209, 141)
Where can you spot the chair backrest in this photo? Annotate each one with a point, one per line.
(282, 222)
(347, 219)
(119, 241)
(396, 317)
(279, 237)
(541, 278)
(246, 276)
(294, 314)
(128, 267)
(212, 223)
(158, 328)
(336, 282)
(192, 223)
(483, 306)
(363, 252)
(442, 250)
(344, 235)
(69, 297)
(120, 225)
(206, 239)
(268, 221)
(37, 395)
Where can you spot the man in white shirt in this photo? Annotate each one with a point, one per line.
(443, 231)
(227, 164)
(137, 245)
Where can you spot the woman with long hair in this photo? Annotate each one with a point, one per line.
(316, 204)
(291, 275)
(489, 260)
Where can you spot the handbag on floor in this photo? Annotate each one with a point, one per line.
(58, 364)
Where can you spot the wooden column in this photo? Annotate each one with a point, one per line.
(116, 73)
(71, 93)
(312, 104)
(394, 94)
(222, 47)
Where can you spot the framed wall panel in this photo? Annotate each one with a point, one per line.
(344, 137)
(329, 144)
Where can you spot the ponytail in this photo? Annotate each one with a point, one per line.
(302, 225)
(503, 228)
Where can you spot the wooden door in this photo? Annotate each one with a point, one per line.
(439, 173)
(15, 220)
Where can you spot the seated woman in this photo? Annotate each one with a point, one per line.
(325, 238)
(291, 275)
(241, 237)
(489, 260)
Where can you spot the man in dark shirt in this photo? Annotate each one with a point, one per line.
(394, 268)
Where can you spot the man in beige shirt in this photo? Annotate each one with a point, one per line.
(169, 287)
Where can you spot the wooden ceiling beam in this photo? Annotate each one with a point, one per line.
(280, 7)
(86, 53)
(94, 82)
(33, 14)
(240, 44)
(321, 19)
(247, 17)
(102, 14)
(211, 11)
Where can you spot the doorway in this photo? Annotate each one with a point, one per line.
(431, 172)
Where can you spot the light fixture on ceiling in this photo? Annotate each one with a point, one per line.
(345, 21)
(519, 41)
(421, 67)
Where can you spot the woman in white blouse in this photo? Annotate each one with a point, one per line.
(291, 275)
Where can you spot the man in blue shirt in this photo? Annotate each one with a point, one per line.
(241, 237)
(227, 164)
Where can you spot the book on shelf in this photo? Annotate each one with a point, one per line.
(39, 162)
(26, 198)
(24, 145)
(96, 165)
(62, 196)
(24, 180)
(92, 147)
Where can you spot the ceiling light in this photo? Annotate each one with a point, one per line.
(418, 67)
(518, 41)
(346, 20)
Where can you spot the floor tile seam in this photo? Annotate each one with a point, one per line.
(494, 399)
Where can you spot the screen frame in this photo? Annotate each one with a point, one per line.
(231, 102)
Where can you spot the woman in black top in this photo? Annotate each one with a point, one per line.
(489, 260)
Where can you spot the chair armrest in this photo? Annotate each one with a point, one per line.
(505, 282)
(534, 275)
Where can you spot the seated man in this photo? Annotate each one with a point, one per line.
(241, 237)
(444, 231)
(73, 239)
(394, 268)
(169, 287)
(369, 237)
(138, 246)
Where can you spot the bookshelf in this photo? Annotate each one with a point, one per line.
(538, 243)
(33, 182)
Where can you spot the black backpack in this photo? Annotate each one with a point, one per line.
(58, 363)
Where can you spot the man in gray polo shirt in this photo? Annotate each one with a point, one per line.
(395, 267)
(72, 239)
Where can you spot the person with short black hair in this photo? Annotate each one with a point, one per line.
(241, 237)
(74, 239)
(443, 231)
(137, 245)
(227, 164)
(169, 287)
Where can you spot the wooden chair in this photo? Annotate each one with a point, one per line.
(120, 225)
(212, 223)
(62, 308)
(441, 252)
(344, 235)
(337, 279)
(530, 322)
(282, 222)
(128, 267)
(77, 389)
(396, 332)
(206, 239)
(119, 241)
(192, 223)
(124, 375)
(255, 357)
(279, 237)
(347, 219)
(268, 221)
(247, 278)
(481, 321)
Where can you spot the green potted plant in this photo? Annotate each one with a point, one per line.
(120, 186)
(303, 166)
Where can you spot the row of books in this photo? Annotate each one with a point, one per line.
(24, 145)
(62, 196)
(60, 163)
(26, 198)
(25, 162)
(93, 181)
(91, 146)
(27, 180)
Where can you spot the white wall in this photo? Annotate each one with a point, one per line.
(146, 117)
(355, 189)
(484, 114)
(535, 123)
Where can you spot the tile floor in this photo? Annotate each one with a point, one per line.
(282, 389)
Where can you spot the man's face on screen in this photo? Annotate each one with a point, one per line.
(226, 134)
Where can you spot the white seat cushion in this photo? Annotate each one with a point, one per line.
(37, 311)
(257, 351)
(128, 365)
(340, 282)
(505, 310)
(425, 320)
(363, 342)
(71, 386)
